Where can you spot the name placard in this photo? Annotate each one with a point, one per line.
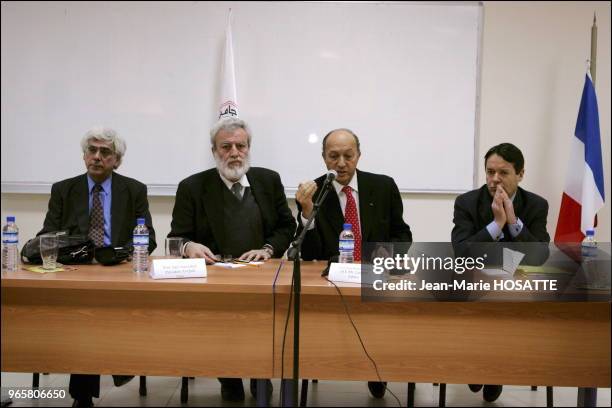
(345, 272)
(178, 268)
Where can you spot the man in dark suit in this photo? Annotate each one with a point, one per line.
(103, 205)
(370, 202)
(232, 210)
(501, 211)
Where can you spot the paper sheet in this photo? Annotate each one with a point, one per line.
(39, 269)
(512, 259)
(233, 265)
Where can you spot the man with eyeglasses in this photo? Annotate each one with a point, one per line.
(371, 203)
(103, 205)
(233, 210)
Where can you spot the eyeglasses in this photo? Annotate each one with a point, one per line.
(226, 147)
(104, 151)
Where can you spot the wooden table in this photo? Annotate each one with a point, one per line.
(514, 343)
(109, 320)
(564, 344)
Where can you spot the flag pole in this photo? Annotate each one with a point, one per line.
(593, 64)
(228, 105)
(583, 196)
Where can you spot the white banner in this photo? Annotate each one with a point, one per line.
(229, 104)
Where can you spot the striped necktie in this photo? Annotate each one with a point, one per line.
(96, 218)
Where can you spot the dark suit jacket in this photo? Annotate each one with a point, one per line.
(473, 213)
(69, 209)
(380, 216)
(198, 209)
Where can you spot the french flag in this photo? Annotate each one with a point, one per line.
(584, 189)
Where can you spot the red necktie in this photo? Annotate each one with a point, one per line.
(350, 217)
(96, 218)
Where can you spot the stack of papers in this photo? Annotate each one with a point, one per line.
(236, 264)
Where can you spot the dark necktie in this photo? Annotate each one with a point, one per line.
(236, 187)
(96, 218)
(350, 217)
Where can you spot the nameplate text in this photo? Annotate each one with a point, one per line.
(178, 268)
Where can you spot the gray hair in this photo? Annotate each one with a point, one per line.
(105, 135)
(229, 124)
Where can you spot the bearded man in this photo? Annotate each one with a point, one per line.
(232, 210)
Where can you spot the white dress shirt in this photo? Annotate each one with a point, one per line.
(244, 183)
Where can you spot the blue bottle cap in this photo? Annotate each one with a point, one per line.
(10, 218)
(590, 232)
(348, 226)
(140, 221)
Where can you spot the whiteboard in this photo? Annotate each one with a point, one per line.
(403, 76)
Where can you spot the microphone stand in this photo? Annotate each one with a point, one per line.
(293, 254)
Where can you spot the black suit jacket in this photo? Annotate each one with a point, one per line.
(198, 209)
(380, 215)
(473, 213)
(69, 209)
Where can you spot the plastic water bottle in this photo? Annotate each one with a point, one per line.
(347, 244)
(10, 241)
(140, 257)
(588, 250)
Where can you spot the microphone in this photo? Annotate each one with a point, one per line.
(331, 175)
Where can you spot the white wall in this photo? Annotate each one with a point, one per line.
(532, 78)
(533, 66)
(322, 60)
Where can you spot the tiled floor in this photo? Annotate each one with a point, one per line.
(165, 391)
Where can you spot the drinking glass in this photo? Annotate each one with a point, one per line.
(48, 250)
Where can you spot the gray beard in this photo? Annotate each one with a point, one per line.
(232, 173)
